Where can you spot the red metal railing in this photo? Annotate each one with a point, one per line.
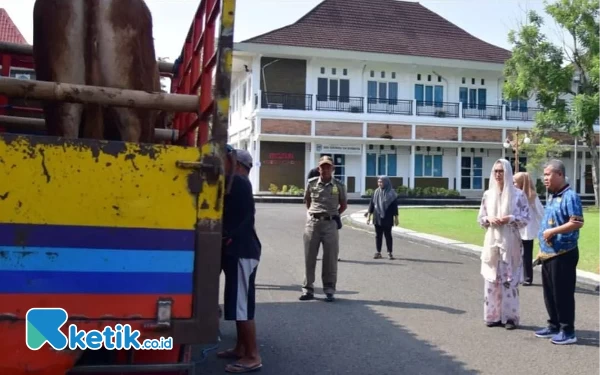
(195, 74)
(201, 65)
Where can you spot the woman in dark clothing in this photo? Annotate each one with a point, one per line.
(313, 173)
(384, 208)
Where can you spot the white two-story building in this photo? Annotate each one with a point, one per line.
(387, 88)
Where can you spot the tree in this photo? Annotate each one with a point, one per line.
(539, 150)
(539, 67)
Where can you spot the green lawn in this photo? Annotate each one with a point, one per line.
(461, 225)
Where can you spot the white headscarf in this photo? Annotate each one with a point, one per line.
(498, 203)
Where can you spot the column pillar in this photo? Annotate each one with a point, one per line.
(413, 149)
(582, 170)
(363, 170)
(255, 172)
(458, 168)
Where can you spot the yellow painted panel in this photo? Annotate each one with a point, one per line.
(48, 180)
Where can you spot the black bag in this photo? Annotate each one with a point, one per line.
(338, 220)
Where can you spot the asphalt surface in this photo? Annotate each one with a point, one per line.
(419, 314)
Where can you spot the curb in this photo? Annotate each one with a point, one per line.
(356, 220)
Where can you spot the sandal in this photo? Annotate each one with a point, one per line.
(228, 354)
(239, 368)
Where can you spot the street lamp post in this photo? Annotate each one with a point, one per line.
(514, 144)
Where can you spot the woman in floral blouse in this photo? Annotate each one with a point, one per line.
(504, 210)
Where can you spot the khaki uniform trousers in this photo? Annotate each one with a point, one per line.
(315, 233)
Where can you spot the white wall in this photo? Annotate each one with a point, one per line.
(353, 169)
(404, 159)
(241, 101)
(359, 73)
(449, 166)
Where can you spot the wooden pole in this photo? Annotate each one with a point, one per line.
(37, 124)
(27, 50)
(64, 92)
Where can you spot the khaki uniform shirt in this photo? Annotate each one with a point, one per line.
(325, 198)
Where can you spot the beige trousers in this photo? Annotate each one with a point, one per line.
(319, 232)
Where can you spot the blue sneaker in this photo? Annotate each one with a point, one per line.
(546, 332)
(563, 338)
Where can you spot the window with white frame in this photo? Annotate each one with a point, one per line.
(331, 87)
(428, 165)
(473, 98)
(380, 164)
(382, 92)
(471, 173)
(429, 95)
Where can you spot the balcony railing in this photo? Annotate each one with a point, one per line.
(340, 103)
(437, 109)
(390, 106)
(521, 114)
(489, 112)
(401, 107)
(281, 100)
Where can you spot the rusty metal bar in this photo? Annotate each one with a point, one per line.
(38, 124)
(27, 50)
(52, 91)
(23, 123)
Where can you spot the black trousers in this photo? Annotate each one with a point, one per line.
(528, 260)
(380, 231)
(559, 275)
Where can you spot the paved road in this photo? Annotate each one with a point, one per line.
(419, 314)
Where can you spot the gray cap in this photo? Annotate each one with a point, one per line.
(244, 158)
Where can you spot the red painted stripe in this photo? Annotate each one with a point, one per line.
(46, 361)
(97, 305)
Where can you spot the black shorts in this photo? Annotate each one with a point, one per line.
(240, 291)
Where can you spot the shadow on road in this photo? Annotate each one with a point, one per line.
(587, 290)
(384, 261)
(345, 337)
(297, 289)
(428, 261)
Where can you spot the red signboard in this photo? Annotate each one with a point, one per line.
(281, 156)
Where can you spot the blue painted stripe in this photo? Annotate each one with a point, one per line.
(94, 260)
(50, 282)
(91, 237)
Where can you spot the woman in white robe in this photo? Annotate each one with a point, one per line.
(504, 210)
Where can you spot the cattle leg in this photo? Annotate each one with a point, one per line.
(58, 50)
(128, 61)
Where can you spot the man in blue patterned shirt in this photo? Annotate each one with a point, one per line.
(559, 254)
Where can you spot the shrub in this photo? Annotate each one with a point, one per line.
(295, 190)
(273, 188)
(420, 192)
(284, 189)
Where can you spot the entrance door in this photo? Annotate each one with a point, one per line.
(340, 166)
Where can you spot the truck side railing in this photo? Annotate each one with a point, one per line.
(203, 76)
(201, 100)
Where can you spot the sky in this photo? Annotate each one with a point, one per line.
(489, 20)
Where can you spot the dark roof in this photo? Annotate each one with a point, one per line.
(8, 30)
(383, 26)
